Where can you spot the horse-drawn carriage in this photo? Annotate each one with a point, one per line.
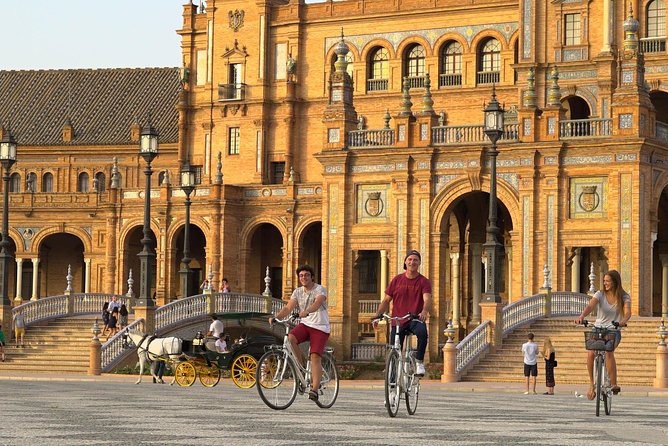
(199, 358)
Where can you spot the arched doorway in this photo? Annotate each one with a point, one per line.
(463, 234)
(660, 260)
(576, 108)
(197, 260)
(11, 273)
(56, 252)
(310, 248)
(266, 250)
(131, 247)
(660, 102)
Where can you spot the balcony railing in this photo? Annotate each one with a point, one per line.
(653, 45)
(462, 134)
(450, 80)
(488, 77)
(377, 84)
(585, 128)
(369, 306)
(661, 131)
(416, 81)
(231, 92)
(371, 138)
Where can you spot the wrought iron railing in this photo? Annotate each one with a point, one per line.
(371, 138)
(369, 306)
(653, 45)
(585, 128)
(488, 77)
(523, 311)
(377, 84)
(450, 80)
(113, 351)
(472, 346)
(367, 351)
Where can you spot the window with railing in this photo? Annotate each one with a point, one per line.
(415, 66)
(379, 70)
(277, 172)
(231, 92)
(100, 182)
(451, 65)
(489, 62)
(15, 183)
(82, 182)
(655, 24)
(233, 137)
(572, 29)
(367, 265)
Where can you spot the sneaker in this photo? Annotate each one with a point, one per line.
(419, 369)
(313, 395)
(526, 393)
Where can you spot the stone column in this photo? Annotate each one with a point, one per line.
(19, 281)
(454, 257)
(476, 281)
(87, 278)
(509, 273)
(35, 274)
(384, 279)
(664, 285)
(95, 355)
(607, 19)
(575, 271)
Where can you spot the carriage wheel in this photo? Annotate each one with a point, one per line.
(243, 371)
(209, 376)
(185, 374)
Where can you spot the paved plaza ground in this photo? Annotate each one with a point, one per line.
(49, 410)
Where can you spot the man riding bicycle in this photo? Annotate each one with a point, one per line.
(311, 300)
(613, 304)
(410, 292)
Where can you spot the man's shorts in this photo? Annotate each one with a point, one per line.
(530, 370)
(317, 337)
(19, 332)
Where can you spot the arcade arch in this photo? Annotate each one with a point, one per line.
(56, 252)
(265, 249)
(131, 247)
(197, 248)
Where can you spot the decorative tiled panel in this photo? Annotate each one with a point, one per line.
(308, 190)
(626, 121)
(372, 205)
(430, 35)
(513, 162)
(526, 252)
(551, 160)
(373, 168)
(526, 127)
(626, 229)
(440, 181)
(402, 133)
(512, 179)
(527, 18)
(424, 224)
(28, 234)
(588, 197)
(624, 157)
(563, 75)
(574, 160)
(424, 132)
(334, 169)
(575, 54)
(422, 165)
(474, 163)
(451, 165)
(333, 246)
(627, 77)
(333, 135)
(551, 126)
(401, 233)
(550, 230)
(526, 161)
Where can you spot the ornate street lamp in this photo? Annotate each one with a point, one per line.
(7, 158)
(494, 131)
(148, 149)
(188, 185)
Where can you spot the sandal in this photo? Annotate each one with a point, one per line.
(616, 390)
(313, 395)
(591, 394)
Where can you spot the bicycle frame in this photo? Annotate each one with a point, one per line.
(602, 384)
(303, 373)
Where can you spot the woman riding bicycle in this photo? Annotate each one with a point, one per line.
(612, 304)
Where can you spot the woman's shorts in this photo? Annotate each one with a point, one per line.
(530, 370)
(317, 337)
(19, 332)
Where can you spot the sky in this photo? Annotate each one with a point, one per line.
(56, 34)
(61, 34)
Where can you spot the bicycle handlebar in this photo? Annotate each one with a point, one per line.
(387, 317)
(586, 323)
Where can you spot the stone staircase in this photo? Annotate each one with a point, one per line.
(55, 346)
(636, 354)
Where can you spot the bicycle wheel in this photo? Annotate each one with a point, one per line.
(392, 391)
(185, 374)
(209, 376)
(276, 379)
(329, 384)
(598, 368)
(243, 371)
(607, 392)
(413, 387)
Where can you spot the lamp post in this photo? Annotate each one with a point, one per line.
(7, 158)
(494, 130)
(148, 149)
(187, 185)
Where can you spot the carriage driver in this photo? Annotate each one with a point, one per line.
(311, 300)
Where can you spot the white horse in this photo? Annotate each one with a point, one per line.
(149, 349)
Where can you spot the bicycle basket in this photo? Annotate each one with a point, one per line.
(606, 340)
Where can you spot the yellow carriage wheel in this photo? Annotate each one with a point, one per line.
(185, 374)
(209, 376)
(243, 371)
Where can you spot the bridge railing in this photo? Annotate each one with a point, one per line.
(53, 307)
(368, 351)
(567, 303)
(180, 311)
(472, 347)
(112, 351)
(523, 311)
